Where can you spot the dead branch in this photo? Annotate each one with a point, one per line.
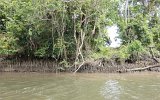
(79, 67)
(139, 69)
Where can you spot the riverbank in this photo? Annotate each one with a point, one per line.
(92, 66)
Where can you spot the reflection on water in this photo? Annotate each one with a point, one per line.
(111, 90)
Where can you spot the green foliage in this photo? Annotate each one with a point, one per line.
(142, 23)
(41, 52)
(135, 46)
(102, 53)
(107, 52)
(55, 28)
(8, 45)
(47, 28)
(122, 52)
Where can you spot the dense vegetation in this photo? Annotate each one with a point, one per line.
(74, 30)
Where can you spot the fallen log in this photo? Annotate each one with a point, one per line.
(139, 69)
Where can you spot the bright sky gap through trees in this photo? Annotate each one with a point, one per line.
(114, 36)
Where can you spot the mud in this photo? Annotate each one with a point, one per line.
(93, 66)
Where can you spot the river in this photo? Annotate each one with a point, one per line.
(36, 86)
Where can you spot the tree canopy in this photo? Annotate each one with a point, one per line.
(66, 29)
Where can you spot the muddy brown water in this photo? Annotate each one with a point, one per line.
(36, 86)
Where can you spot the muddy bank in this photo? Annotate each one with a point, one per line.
(112, 66)
(91, 66)
(28, 66)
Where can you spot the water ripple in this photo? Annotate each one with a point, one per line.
(111, 90)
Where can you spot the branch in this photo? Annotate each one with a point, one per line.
(79, 67)
(139, 69)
